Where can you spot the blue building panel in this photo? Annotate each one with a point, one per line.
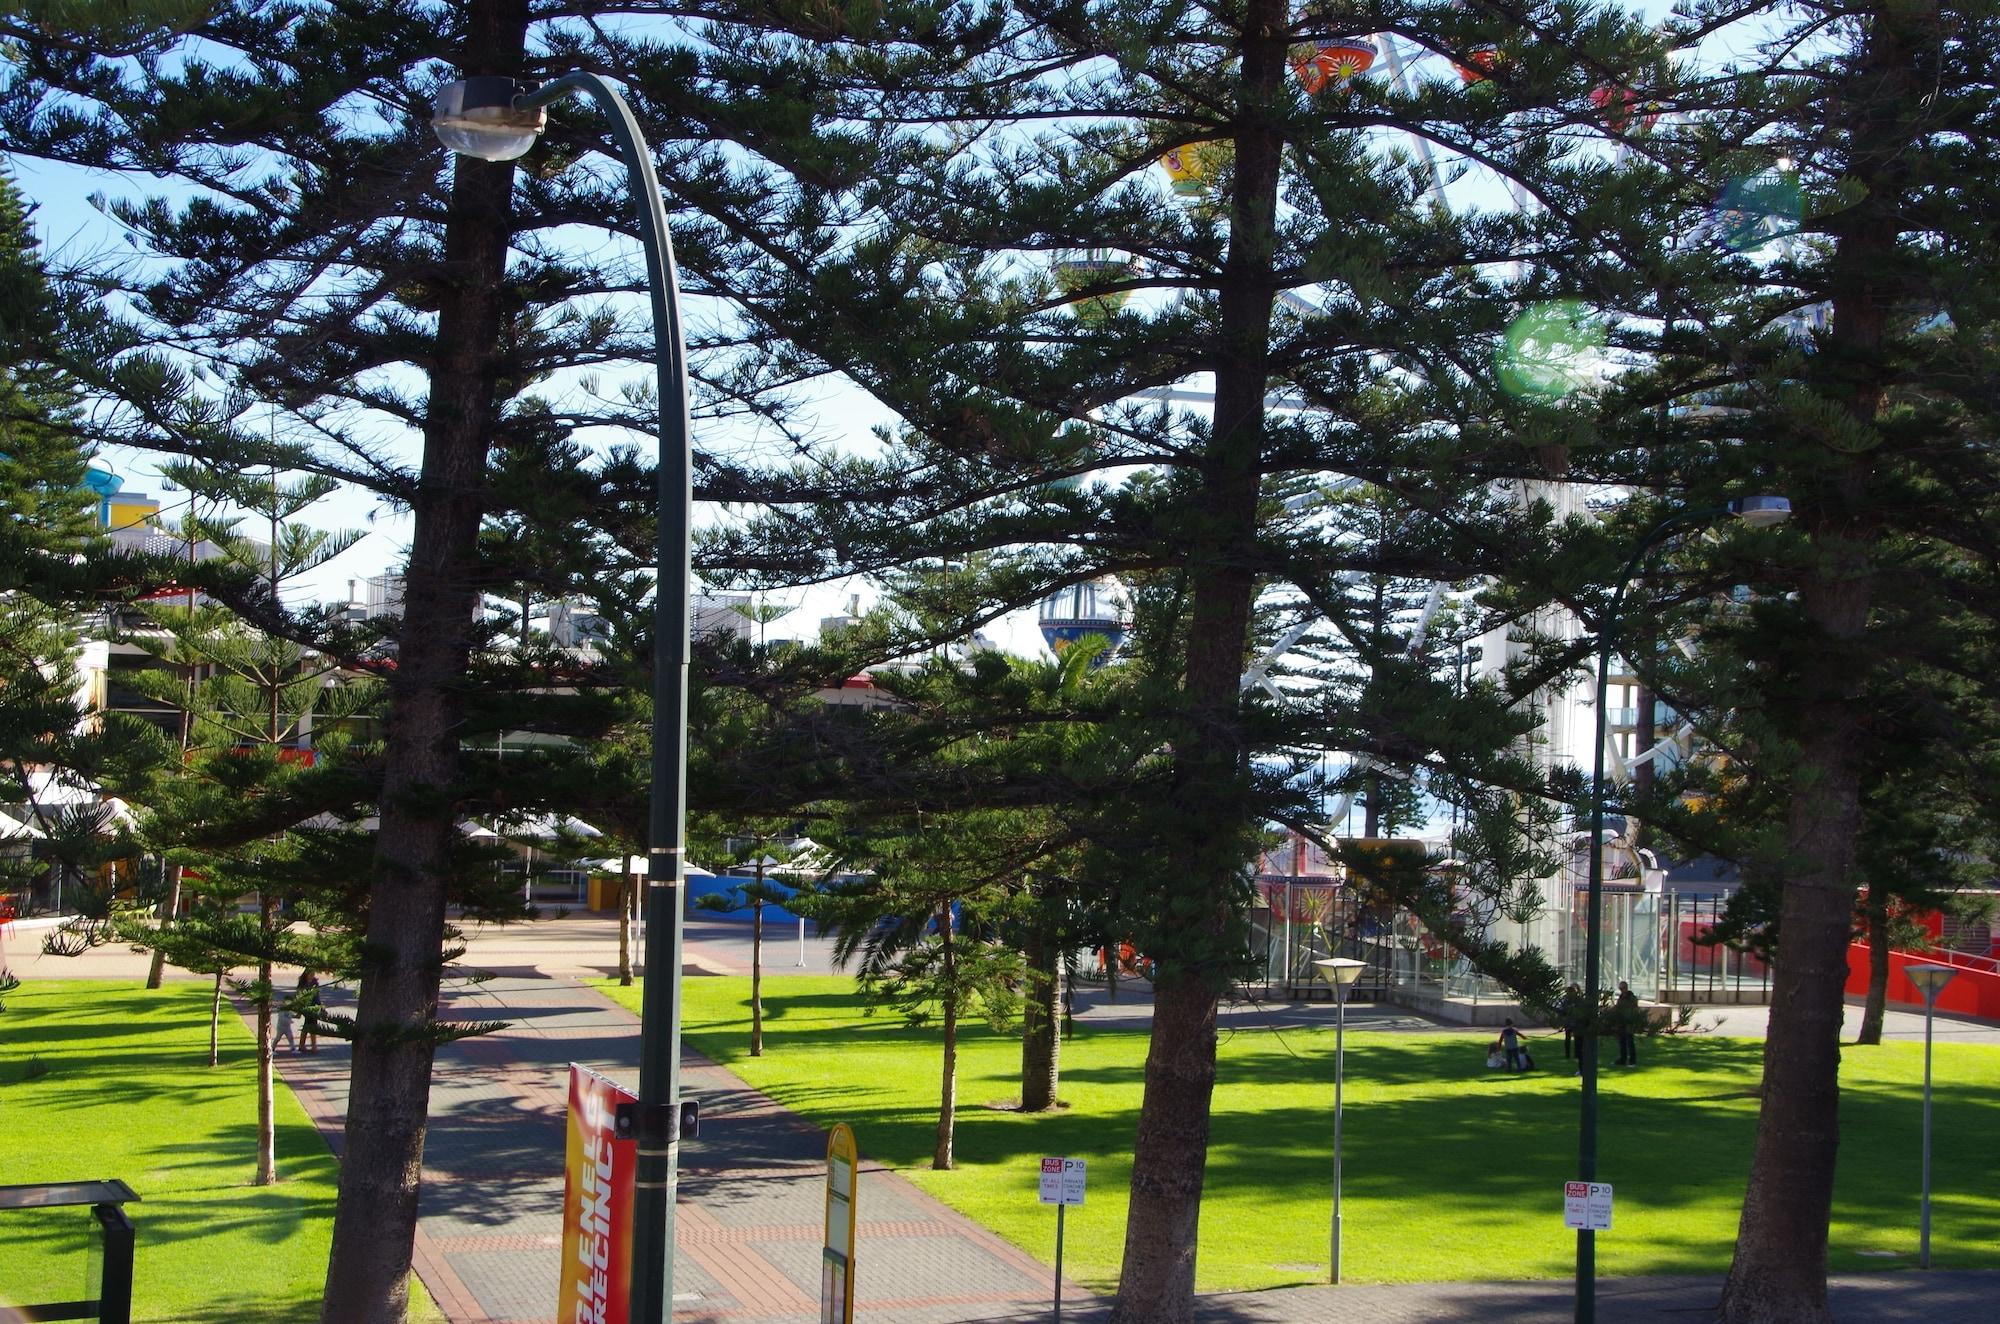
(726, 886)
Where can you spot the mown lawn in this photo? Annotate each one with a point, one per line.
(110, 1080)
(1452, 1172)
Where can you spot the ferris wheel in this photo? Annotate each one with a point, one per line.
(1100, 282)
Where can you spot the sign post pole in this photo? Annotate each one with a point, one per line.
(1061, 1186)
(1061, 1209)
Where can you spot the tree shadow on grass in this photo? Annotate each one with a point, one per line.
(1423, 1115)
(233, 1148)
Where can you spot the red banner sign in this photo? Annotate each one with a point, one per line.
(597, 1206)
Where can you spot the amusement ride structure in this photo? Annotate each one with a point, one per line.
(1554, 364)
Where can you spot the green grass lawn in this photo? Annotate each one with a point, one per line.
(127, 1093)
(1452, 1172)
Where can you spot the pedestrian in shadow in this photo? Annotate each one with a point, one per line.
(1570, 1011)
(1627, 1016)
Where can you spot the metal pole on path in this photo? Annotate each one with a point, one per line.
(802, 941)
(1930, 981)
(497, 119)
(1924, 1236)
(1339, 1080)
(1756, 512)
(1060, 1211)
(1340, 972)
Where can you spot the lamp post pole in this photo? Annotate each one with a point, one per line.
(1341, 972)
(498, 120)
(1930, 980)
(1758, 512)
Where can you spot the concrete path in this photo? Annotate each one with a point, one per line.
(752, 1190)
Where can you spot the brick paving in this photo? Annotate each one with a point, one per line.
(752, 1187)
(747, 1229)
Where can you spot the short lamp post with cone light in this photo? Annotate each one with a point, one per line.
(1341, 972)
(498, 119)
(1756, 512)
(1930, 981)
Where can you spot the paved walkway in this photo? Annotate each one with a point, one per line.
(1889, 1298)
(752, 1186)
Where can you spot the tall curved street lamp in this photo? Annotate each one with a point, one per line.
(496, 119)
(1757, 512)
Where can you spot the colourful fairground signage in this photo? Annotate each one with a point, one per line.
(597, 1205)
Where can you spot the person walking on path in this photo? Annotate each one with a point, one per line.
(306, 1000)
(283, 1033)
(1626, 1013)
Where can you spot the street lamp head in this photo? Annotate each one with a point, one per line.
(1341, 970)
(479, 117)
(1762, 512)
(1930, 979)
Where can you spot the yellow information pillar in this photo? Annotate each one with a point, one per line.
(836, 1274)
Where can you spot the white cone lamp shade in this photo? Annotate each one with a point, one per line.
(1342, 970)
(478, 117)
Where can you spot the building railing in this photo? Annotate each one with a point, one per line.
(1973, 991)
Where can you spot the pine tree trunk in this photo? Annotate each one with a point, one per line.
(1209, 802)
(1041, 1045)
(156, 972)
(757, 978)
(1877, 1005)
(215, 1021)
(267, 1131)
(1778, 1275)
(948, 1090)
(375, 1218)
(627, 895)
(1156, 1279)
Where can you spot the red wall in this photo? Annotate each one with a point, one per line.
(1971, 992)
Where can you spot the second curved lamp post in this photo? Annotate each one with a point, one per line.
(1757, 512)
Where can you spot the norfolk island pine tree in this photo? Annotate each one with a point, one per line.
(1003, 394)
(1826, 342)
(258, 710)
(435, 334)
